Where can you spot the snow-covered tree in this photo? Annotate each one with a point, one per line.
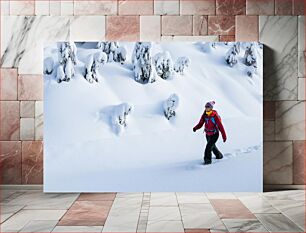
(120, 54)
(114, 52)
(164, 65)
(251, 71)
(181, 64)
(69, 70)
(100, 57)
(60, 74)
(67, 59)
(231, 54)
(48, 65)
(206, 47)
(119, 116)
(170, 106)
(250, 58)
(91, 69)
(144, 71)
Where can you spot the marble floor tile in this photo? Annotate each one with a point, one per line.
(165, 226)
(164, 213)
(200, 230)
(23, 217)
(221, 195)
(96, 197)
(39, 226)
(192, 198)
(231, 208)
(188, 208)
(9, 210)
(77, 229)
(297, 195)
(163, 199)
(238, 225)
(278, 223)
(209, 220)
(258, 205)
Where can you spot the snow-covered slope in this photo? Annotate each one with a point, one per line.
(83, 153)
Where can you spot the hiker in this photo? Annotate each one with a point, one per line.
(213, 125)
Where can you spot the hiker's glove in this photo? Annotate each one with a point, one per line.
(194, 129)
(224, 139)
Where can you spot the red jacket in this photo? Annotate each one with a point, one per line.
(212, 123)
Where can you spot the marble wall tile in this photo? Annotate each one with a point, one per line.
(203, 7)
(225, 38)
(299, 162)
(5, 7)
(32, 162)
(55, 8)
(221, 25)
(10, 161)
(176, 25)
(135, 7)
(105, 7)
(39, 120)
(280, 56)
(301, 46)
(66, 7)
(269, 110)
(42, 7)
(283, 7)
(200, 25)
(298, 7)
(290, 120)
(27, 109)
(8, 84)
(246, 28)
(87, 28)
(18, 35)
(125, 28)
(269, 130)
(30, 87)
(150, 28)
(22, 7)
(301, 88)
(9, 120)
(260, 7)
(166, 7)
(190, 38)
(278, 163)
(27, 129)
(230, 7)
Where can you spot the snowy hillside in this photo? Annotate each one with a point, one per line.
(84, 151)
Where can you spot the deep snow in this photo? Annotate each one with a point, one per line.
(83, 153)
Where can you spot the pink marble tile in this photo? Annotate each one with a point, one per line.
(126, 28)
(176, 25)
(96, 197)
(135, 7)
(8, 84)
(260, 7)
(32, 162)
(299, 162)
(269, 110)
(227, 38)
(247, 28)
(231, 209)
(221, 25)
(196, 230)
(298, 7)
(30, 87)
(27, 108)
(105, 7)
(197, 7)
(283, 7)
(86, 213)
(230, 7)
(9, 120)
(22, 7)
(200, 25)
(10, 162)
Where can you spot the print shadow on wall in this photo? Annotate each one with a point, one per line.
(142, 116)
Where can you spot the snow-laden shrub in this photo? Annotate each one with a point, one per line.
(231, 54)
(206, 47)
(164, 65)
(69, 70)
(170, 106)
(91, 69)
(120, 54)
(48, 65)
(181, 64)
(114, 52)
(60, 74)
(100, 57)
(144, 71)
(67, 50)
(250, 58)
(119, 116)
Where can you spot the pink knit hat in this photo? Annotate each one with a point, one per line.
(210, 104)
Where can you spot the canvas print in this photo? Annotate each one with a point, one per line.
(148, 116)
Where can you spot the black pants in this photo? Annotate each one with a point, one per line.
(211, 147)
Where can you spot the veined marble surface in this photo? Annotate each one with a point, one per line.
(301, 46)
(23, 38)
(279, 34)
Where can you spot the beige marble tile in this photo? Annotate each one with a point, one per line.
(301, 47)
(192, 198)
(8, 87)
(203, 7)
(27, 109)
(8, 210)
(27, 129)
(67, 7)
(9, 120)
(78, 229)
(22, 7)
(258, 205)
(301, 89)
(177, 25)
(165, 226)
(42, 7)
(239, 225)
(39, 120)
(106, 7)
(55, 8)
(39, 226)
(150, 28)
(166, 7)
(221, 196)
(260, 7)
(163, 199)
(200, 25)
(190, 38)
(290, 120)
(164, 213)
(135, 7)
(5, 7)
